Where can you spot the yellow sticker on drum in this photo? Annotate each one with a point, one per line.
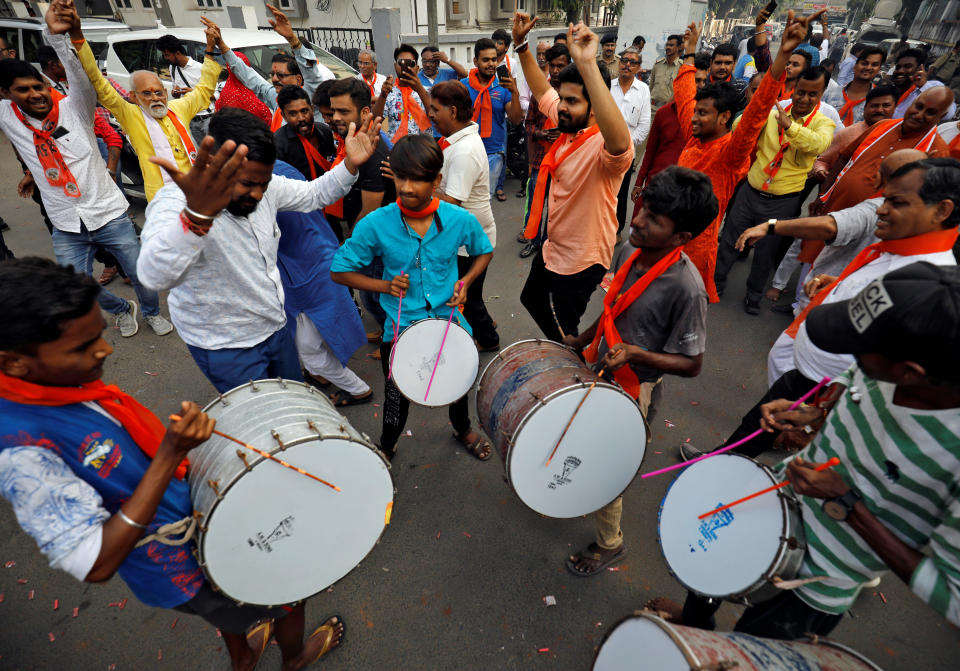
(387, 513)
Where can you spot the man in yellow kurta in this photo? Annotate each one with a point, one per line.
(154, 126)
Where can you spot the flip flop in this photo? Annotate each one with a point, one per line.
(342, 399)
(330, 633)
(501, 196)
(267, 628)
(476, 446)
(592, 552)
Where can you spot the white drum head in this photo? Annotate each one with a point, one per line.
(640, 643)
(415, 352)
(280, 536)
(597, 459)
(728, 552)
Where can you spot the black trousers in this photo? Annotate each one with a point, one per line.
(791, 385)
(784, 617)
(396, 408)
(623, 199)
(570, 293)
(474, 310)
(750, 207)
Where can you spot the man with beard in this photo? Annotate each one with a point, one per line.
(584, 167)
(154, 126)
(302, 69)
(404, 112)
(706, 116)
(789, 143)
(54, 138)
(216, 250)
(850, 99)
(910, 77)
(302, 142)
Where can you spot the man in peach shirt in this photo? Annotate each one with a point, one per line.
(585, 168)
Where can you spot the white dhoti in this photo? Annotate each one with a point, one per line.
(318, 360)
(780, 359)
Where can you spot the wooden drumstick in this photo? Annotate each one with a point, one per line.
(574, 415)
(267, 455)
(822, 467)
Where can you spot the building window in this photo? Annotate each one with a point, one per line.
(285, 4)
(125, 3)
(147, 4)
(209, 4)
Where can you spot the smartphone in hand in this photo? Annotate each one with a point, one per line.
(771, 7)
(503, 72)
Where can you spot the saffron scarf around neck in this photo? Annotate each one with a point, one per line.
(143, 426)
(925, 243)
(548, 167)
(409, 109)
(336, 209)
(483, 105)
(849, 106)
(431, 207)
(774, 166)
(615, 303)
(51, 160)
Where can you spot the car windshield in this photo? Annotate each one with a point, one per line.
(261, 56)
(875, 36)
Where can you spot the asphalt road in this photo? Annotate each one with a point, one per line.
(458, 579)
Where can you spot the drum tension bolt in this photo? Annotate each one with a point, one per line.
(282, 382)
(215, 486)
(222, 399)
(243, 458)
(537, 398)
(313, 427)
(253, 385)
(343, 429)
(276, 437)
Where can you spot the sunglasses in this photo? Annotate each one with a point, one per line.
(629, 62)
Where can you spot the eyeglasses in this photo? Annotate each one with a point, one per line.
(154, 93)
(282, 75)
(629, 62)
(364, 64)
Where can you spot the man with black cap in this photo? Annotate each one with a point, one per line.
(893, 421)
(608, 55)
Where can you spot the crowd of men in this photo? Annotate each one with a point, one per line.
(279, 207)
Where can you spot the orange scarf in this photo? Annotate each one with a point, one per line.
(370, 85)
(277, 121)
(409, 109)
(443, 142)
(547, 125)
(420, 214)
(334, 209)
(906, 94)
(548, 167)
(483, 105)
(143, 426)
(774, 166)
(925, 243)
(51, 160)
(314, 158)
(184, 136)
(955, 146)
(613, 307)
(846, 112)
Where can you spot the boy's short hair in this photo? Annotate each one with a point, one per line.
(416, 157)
(684, 196)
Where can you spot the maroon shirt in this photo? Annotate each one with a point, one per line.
(664, 143)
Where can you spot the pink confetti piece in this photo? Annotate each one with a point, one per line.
(146, 372)
(542, 650)
(694, 402)
(112, 667)
(9, 564)
(159, 653)
(669, 424)
(2, 597)
(122, 604)
(438, 535)
(467, 535)
(598, 624)
(76, 611)
(113, 604)
(882, 597)
(219, 635)
(52, 637)
(408, 432)
(658, 452)
(174, 623)
(613, 568)
(56, 604)
(21, 581)
(30, 595)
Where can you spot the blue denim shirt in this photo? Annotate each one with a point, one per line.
(430, 261)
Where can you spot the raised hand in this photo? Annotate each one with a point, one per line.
(360, 144)
(214, 29)
(582, 42)
(522, 25)
(282, 25)
(386, 87)
(691, 36)
(796, 31)
(209, 184)
(62, 17)
(192, 429)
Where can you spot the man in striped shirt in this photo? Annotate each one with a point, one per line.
(893, 421)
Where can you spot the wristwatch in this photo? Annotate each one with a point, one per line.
(839, 508)
(772, 226)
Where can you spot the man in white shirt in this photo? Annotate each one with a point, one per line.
(367, 64)
(211, 238)
(632, 96)
(185, 73)
(465, 181)
(910, 76)
(56, 142)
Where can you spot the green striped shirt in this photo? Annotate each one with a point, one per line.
(905, 463)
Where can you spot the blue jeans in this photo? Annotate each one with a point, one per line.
(497, 164)
(105, 152)
(230, 367)
(120, 239)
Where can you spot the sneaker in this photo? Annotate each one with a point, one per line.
(159, 325)
(751, 307)
(529, 249)
(127, 321)
(688, 451)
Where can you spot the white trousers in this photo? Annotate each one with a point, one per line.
(780, 359)
(317, 358)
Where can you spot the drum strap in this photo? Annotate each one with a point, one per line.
(184, 528)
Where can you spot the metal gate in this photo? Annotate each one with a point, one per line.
(344, 43)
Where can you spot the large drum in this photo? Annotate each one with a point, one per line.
(734, 554)
(644, 642)
(269, 535)
(525, 398)
(414, 355)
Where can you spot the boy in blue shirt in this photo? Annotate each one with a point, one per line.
(417, 237)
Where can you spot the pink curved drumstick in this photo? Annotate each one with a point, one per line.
(439, 351)
(753, 435)
(396, 328)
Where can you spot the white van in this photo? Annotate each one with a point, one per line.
(25, 35)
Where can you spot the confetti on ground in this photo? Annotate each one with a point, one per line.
(159, 653)
(10, 564)
(550, 600)
(658, 452)
(174, 623)
(408, 432)
(30, 595)
(21, 581)
(694, 402)
(467, 535)
(598, 624)
(542, 650)
(1, 598)
(112, 667)
(882, 597)
(438, 535)
(613, 568)
(146, 372)
(56, 604)
(52, 637)
(219, 635)
(76, 611)
(669, 424)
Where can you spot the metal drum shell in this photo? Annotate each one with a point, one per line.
(273, 415)
(787, 560)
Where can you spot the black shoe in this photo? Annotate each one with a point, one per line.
(529, 249)
(751, 307)
(689, 452)
(4, 226)
(786, 309)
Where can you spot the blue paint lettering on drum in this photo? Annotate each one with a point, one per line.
(773, 654)
(506, 391)
(709, 526)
